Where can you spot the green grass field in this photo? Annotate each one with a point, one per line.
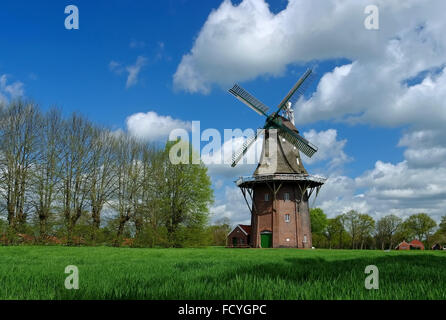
(218, 273)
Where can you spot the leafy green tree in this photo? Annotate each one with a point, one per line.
(318, 220)
(365, 228)
(335, 232)
(440, 234)
(187, 193)
(318, 226)
(421, 225)
(219, 231)
(352, 225)
(386, 229)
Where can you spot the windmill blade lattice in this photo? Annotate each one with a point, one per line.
(297, 88)
(299, 142)
(246, 145)
(245, 97)
(301, 90)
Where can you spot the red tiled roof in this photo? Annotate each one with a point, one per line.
(403, 244)
(416, 243)
(245, 227)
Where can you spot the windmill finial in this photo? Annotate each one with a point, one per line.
(290, 112)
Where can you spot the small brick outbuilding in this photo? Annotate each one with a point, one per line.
(413, 245)
(239, 237)
(416, 245)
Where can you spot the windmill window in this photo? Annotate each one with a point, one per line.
(297, 160)
(286, 196)
(305, 238)
(266, 196)
(287, 218)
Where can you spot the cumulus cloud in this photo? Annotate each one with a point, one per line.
(10, 90)
(151, 126)
(330, 149)
(394, 77)
(241, 42)
(232, 206)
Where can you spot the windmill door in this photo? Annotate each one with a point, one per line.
(266, 240)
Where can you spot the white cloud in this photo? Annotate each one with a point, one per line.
(242, 42)
(131, 70)
(329, 148)
(10, 90)
(134, 70)
(219, 163)
(151, 126)
(396, 77)
(232, 206)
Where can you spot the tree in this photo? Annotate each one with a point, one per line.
(421, 226)
(335, 231)
(365, 228)
(76, 170)
(19, 127)
(102, 179)
(187, 193)
(352, 224)
(386, 229)
(128, 181)
(318, 220)
(440, 234)
(318, 225)
(46, 174)
(219, 231)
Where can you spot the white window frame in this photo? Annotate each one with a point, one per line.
(287, 218)
(286, 196)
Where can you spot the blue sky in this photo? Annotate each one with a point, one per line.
(186, 58)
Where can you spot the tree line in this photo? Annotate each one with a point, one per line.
(355, 230)
(67, 180)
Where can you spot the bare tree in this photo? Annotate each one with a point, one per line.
(46, 174)
(19, 127)
(101, 180)
(128, 166)
(76, 169)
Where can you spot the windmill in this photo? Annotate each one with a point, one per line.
(275, 120)
(277, 193)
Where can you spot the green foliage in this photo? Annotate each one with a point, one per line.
(386, 231)
(318, 220)
(420, 226)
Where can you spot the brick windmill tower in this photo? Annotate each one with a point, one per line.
(277, 193)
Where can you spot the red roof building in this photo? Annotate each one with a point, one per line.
(239, 237)
(413, 245)
(403, 246)
(417, 245)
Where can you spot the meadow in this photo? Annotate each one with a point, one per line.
(37, 272)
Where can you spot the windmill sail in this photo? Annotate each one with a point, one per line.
(246, 145)
(245, 97)
(297, 88)
(298, 141)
